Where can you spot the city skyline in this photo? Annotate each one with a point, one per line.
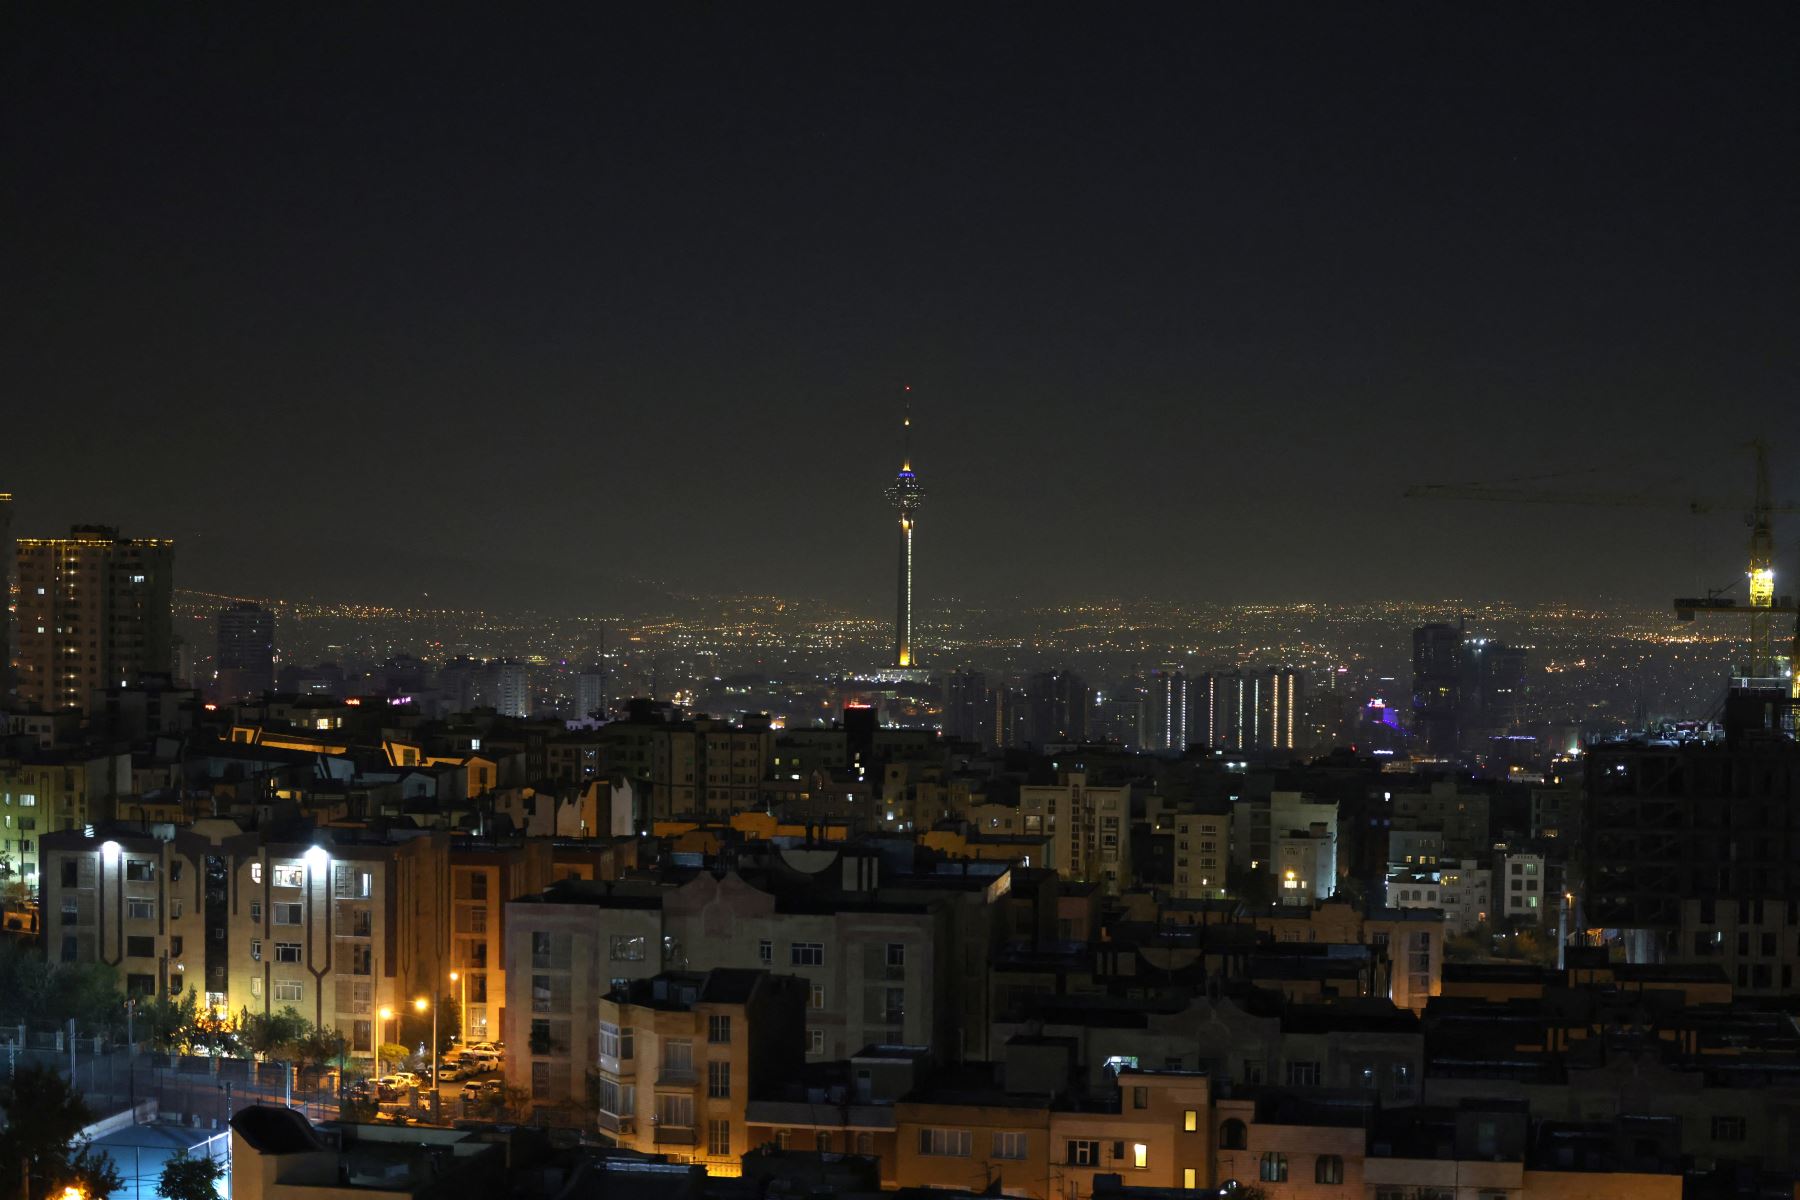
(1210, 278)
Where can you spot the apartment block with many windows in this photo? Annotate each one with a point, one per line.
(681, 1053)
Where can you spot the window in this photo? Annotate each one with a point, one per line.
(139, 870)
(255, 872)
(255, 949)
(815, 1041)
(1140, 1156)
(807, 954)
(288, 914)
(1009, 1144)
(69, 873)
(678, 1056)
(540, 993)
(1082, 1153)
(140, 910)
(1188, 1180)
(287, 989)
(175, 947)
(1274, 1167)
(287, 952)
(256, 987)
(675, 1109)
(1253, 1071)
(140, 947)
(540, 1080)
(718, 1080)
(1140, 1097)
(1303, 1074)
(623, 948)
(293, 875)
(1328, 1168)
(1233, 1135)
(1190, 1120)
(816, 997)
(765, 952)
(896, 954)
(718, 1138)
(718, 1029)
(1728, 1129)
(945, 1143)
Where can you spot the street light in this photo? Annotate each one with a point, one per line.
(420, 1005)
(462, 1008)
(387, 1014)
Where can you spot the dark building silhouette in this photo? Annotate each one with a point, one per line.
(246, 657)
(1061, 705)
(1438, 686)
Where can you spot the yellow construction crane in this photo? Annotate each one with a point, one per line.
(1763, 605)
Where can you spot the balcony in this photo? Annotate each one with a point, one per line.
(674, 1135)
(677, 1076)
(619, 1068)
(614, 1123)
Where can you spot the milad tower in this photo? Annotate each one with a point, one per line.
(906, 493)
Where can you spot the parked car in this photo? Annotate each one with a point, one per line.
(451, 1071)
(406, 1079)
(476, 1061)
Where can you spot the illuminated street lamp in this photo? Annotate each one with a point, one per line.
(431, 1062)
(387, 1014)
(462, 1007)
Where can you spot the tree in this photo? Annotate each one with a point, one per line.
(185, 1178)
(274, 1036)
(320, 1048)
(44, 1120)
(394, 1055)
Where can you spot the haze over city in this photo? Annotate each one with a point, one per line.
(594, 304)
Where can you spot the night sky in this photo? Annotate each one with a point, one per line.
(532, 305)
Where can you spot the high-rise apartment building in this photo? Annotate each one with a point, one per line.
(246, 657)
(1284, 697)
(94, 613)
(590, 693)
(1168, 711)
(6, 566)
(512, 689)
(1437, 686)
(1061, 708)
(968, 707)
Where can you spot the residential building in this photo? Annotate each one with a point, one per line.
(93, 614)
(1202, 853)
(246, 654)
(1521, 883)
(1087, 827)
(483, 876)
(337, 924)
(679, 1055)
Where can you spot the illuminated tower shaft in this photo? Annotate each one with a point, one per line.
(903, 654)
(905, 494)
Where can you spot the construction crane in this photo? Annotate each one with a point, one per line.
(1763, 605)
